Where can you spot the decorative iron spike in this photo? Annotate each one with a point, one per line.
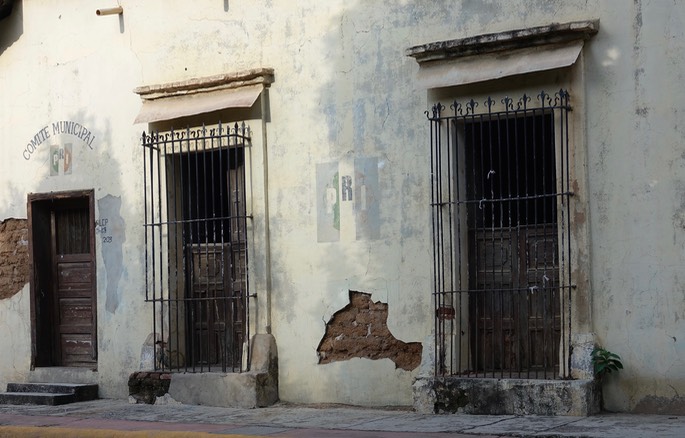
(458, 108)
(523, 102)
(544, 98)
(489, 102)
(471, 107)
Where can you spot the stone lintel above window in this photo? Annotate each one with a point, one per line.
(557, 33)
(258, 76)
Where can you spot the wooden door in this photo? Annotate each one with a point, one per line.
(210, 264)
(542, 314)
(217, 313)
(73, 275)
(515, 306)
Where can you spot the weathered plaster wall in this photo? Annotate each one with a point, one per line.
(635, 137)
(16, 328)
(345, 101)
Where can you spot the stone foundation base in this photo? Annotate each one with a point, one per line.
(145, 387)
(257, 387)
(506, 396)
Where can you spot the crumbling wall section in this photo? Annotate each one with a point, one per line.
(14, 256)
(360, 330)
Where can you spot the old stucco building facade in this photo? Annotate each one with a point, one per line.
(335, 233)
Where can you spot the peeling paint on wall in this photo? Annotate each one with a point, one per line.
(111, 230)
(14, 256)
(360, 330)
(661, 405)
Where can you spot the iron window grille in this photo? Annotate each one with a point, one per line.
(196, 254)
(501, 240)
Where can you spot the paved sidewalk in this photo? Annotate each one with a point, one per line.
(116, 418)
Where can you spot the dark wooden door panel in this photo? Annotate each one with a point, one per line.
(74, 288)
(218, 310)
(63, 300)
(217, 281)
(75, 311)
(75, 316)
(75, 278)
(210, 288)
(76, 349)
(515, 305)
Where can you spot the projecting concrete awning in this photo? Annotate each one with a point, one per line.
(191, 104)
(202, 95)
(488, 67)
(499, 55)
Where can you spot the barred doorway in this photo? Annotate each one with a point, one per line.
(501, 240)
(196, 240)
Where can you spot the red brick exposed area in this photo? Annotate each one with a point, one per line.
(14, 256)
(360, 330)
(145, 386)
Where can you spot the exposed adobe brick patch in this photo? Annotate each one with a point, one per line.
(146, 386)
(14, 256)
(360, 330)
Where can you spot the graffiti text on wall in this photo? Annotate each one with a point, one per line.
(58, 153)
(101, 228)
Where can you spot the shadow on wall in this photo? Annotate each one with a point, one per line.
(360, 214)
(64, 163)
(98, 169)
(11, 22)
(67, 160)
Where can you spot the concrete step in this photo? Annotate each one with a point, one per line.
(47, 393)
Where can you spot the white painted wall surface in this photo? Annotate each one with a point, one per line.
(344, 90)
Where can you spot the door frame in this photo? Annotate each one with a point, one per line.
(35, 281)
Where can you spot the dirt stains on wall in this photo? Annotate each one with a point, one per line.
(14, 256)
(661, 405)
(360, 330)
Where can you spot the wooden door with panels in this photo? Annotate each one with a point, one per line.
(515, 301)
(513, 244)
(216, 254)
(63, 287)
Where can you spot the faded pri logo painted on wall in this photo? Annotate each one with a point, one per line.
(348, 200)
(60, 159)
(61, 154)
